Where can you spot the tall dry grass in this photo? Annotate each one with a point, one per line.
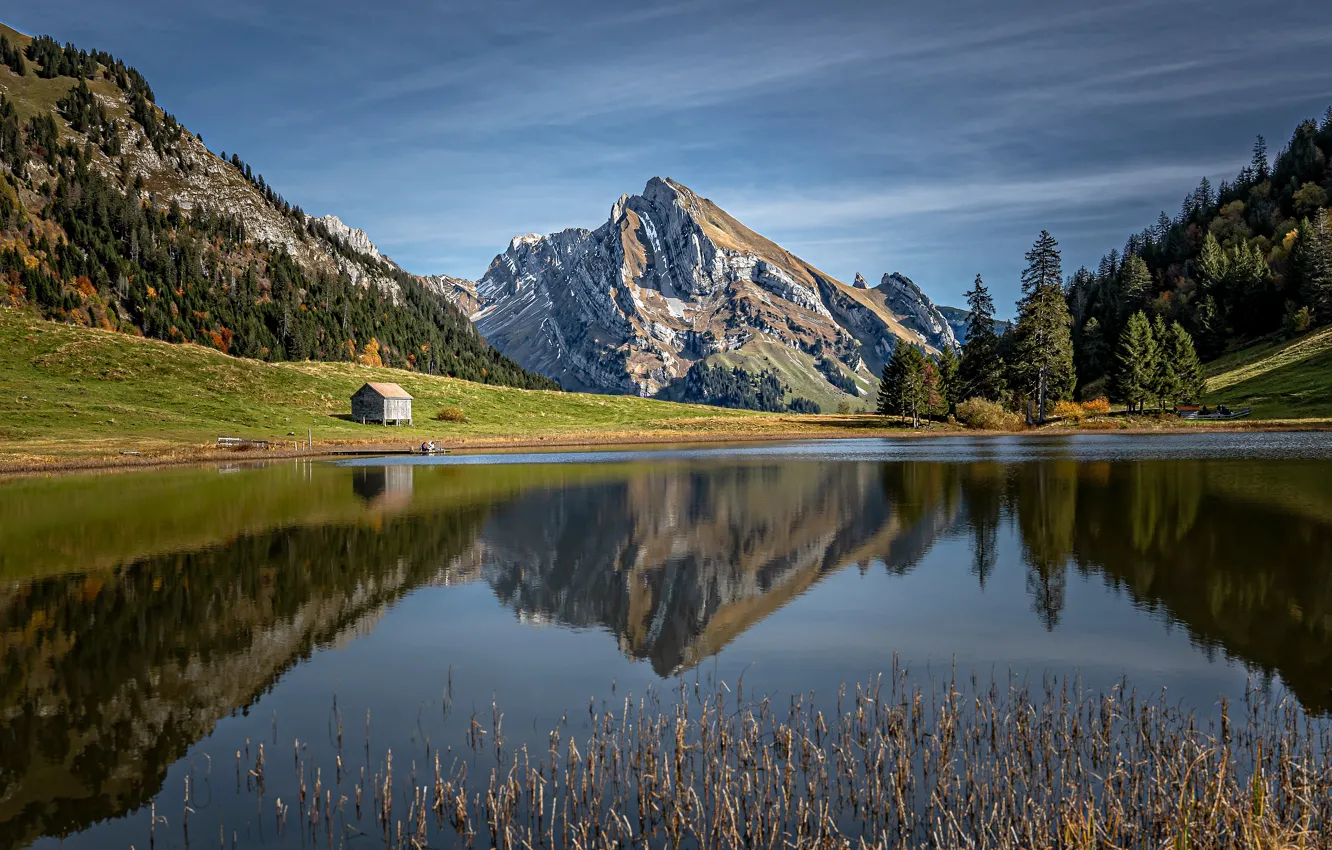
(887, 765)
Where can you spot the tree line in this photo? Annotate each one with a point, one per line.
(1034, 366)
(738, 388)
(1248, 258)
(1241, 261)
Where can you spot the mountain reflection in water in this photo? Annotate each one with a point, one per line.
(119, 651)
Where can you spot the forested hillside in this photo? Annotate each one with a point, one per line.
(113, 215)
(1238, 261)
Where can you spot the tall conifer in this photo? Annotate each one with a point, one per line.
(1135, 283)
(1165, 377)
(1188, 368)
(902, 390)
(981, 372)
(1043, 347)
(1135, 362)
(1312, 264)
(949, 385)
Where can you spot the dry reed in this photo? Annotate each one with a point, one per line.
(894, 765)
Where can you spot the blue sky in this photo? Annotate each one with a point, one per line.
(935, 139)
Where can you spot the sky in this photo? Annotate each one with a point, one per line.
(933, 139)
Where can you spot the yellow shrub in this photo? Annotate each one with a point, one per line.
(988, 416)
(1070, 410)
(1097, 406)
(451, 414)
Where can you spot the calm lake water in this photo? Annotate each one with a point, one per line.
(155, 624)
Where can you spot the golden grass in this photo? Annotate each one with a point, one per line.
(952, 764)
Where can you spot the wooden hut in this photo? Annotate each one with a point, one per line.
(382, 403)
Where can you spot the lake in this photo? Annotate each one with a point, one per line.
(157, 627)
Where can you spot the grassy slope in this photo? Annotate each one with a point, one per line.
(796, 370)
(71, 392)
(1278, 379)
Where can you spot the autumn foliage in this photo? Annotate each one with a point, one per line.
(370, 355)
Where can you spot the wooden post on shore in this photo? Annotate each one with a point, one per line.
(309, 439)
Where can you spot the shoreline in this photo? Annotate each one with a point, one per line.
(811, 431)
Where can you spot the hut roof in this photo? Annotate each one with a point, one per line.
(385, 390)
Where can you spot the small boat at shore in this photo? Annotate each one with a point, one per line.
(1220, 414)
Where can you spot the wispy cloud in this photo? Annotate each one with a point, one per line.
(928, 137)
(834, 207)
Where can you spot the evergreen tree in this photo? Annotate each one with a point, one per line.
(903, 391)
(1043, 348)
(1135, 284)
(1166, 385)
(889, 391)
(1191, 383)
(1260, 163)
(1213, 265)
(1092, 352)
(981, 372)
(1135, 362)
(981, 320)
(1311, 259)
(948, 383)
(1211, 328)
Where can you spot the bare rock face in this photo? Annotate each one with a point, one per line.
(906, 300)
(353, 238)
(667, 281)
(860, 282)
(455, 289)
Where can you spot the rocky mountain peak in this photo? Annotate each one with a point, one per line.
(525, 239)
(860, 282)
(905, 298)
(671, 280)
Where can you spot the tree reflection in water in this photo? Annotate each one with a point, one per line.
(108, 676)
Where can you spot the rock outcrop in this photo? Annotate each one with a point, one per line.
(670, 280)
(352, 237)
(905, 299)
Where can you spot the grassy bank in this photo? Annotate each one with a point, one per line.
(80, 397)
(1279, 379)
(76, 394)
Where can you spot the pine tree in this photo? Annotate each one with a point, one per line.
(1135, 362)
(981, 305)
(890, 393)
(1211, 328)
(1204, 199)
(902, 390)
(1213, 265)
(981, 372)
(1135, 283)
(1261, 167)
(915, 392)
(949, 386)
(1092, 352)
(1311, 259)
(1188, 368)
(1165, 377)
(1043, 347)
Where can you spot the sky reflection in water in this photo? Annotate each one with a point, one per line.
(188, 610)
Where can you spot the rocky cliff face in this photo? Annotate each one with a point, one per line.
(905, 299)
(670, 280)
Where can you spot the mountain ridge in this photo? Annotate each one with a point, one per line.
(671, 281)
(114, 215)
